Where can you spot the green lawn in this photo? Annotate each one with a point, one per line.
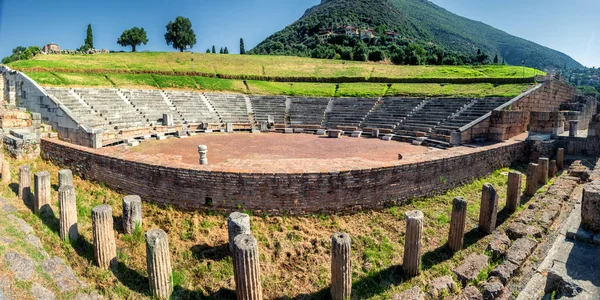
(282, 66)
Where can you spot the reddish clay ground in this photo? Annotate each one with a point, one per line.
(223, 148)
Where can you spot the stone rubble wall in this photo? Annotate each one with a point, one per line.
(24, 92)
(327, 192)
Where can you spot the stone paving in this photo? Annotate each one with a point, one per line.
(26, 269)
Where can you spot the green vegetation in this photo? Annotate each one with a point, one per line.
(149, 81)
(88, 43)
(133, 37)
(294, 250)
(21, 53)
(256, 65)
(180, 34)
(408, 32)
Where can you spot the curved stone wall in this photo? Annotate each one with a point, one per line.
(196, 187)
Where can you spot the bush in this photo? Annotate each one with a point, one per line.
(398, 58)
(376, 55)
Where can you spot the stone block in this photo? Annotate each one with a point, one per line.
(411, 294)
(520, 250)
(336, 134)
(517, 230)
(504, 271)
(321, 132)
(440, 286)
(298, 130)
(375, 133)
(288, 130)
(590, 207)
(471, 267)
(387, 137)
(356, 134)
(499, 244)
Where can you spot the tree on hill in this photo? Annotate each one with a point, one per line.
(213, 49)
(221, 50)
(242, 48)
(208, 50)
(496, 59)
(133, 37)
(89, 38)
(180, 34)
(225, 51)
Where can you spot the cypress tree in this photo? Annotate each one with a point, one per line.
(221, 51)
(225, 51)
(89, 39)
(242, 48)
(213, 49)
(496, 59)
(208, 50)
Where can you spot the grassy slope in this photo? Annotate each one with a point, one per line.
(294, 251)
(259, 65)
(147, 81)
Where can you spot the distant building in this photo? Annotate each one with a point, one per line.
(324, 35)
(52, 47)
(392, 34)
(351, 31)
(367, 34)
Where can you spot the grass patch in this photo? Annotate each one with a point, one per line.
(457, 90)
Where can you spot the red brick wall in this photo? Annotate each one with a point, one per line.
(335, 192)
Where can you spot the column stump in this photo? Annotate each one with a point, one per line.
(543, 166)
(341, 266)
(132, 213)
(457, 224)
(5, 172)
(68, 213)
(158, 261)
(488, 211)
(65, 177)
(237, 223)
(413, 242)
(24, 183)
(513, 192)
(532, 179)
(560, 158)
(105, 250)
(246, 268)
(42, 189)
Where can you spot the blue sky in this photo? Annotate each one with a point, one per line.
(568, 26)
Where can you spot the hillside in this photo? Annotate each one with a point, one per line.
(445, 37)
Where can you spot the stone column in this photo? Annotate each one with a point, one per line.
(488, 211)
(5, 172)
(65, 177)
(543, 165)
(158, 261)
(455, 138)
(203, 151)
(552, 169)
(68, 213)
(132, 213)
(24, 183)
(42, 189)
(246, 268)
(560, 158)
(412, 242)
(341, 266)
(573, 128)
(513, 192)
(457, 224)
(237, 223)
(168, 120)
(105, 251)
(375, 133)
(532, 180)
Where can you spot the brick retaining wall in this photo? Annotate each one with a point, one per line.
(328, 192)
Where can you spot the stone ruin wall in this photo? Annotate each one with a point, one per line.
(327, 192)
(22, 91)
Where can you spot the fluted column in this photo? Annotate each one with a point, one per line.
(513, 191)
(105, 252)
(68, 213)
(65, 177)
(237, 223)
(488, 211)
(158, 260)
(42, 189)
(5, 172)
(24, 183)
(412, 242)
(532, 180)
(341, 266)
(132, 213)
(560, 158)
(543, 165)
(246, 268)
(457, 224)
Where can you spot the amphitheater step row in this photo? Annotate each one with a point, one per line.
(118, 109)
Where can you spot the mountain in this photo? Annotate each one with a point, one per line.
(438, 35)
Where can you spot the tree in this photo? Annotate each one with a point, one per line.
(133, 37)
(213, 49)
(242, 48)
(180, 34)
(376, 55)
(496, 59)
(208, 50)
(221, 50)
(225, 51)
(89, 38)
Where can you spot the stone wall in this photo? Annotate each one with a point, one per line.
(329, 192)
(506, 124)
(24, 92)
(546, 122)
